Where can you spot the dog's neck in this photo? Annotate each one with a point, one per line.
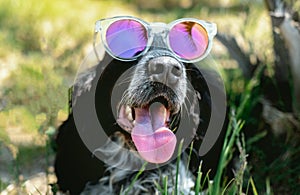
(117, 180)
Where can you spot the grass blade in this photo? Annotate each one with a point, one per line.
(177, 166)
(232, 133)
(165, 185)
(227, 186)
(135, 178)
(158, 187)
(198, 181)
(190, 155)
(253, 186)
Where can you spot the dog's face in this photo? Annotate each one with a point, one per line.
(155, 95)
(158, 103)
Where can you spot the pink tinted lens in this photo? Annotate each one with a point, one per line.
(126, 38)
(189, 40)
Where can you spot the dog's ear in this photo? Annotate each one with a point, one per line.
(199, 83)
(75, 165)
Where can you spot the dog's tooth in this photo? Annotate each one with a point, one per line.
(128, 113)
(125, 118)
(127, 109)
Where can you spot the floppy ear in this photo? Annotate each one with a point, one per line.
(198, 82)
(211, 159)
(75, 165)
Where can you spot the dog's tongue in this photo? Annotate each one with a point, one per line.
(153, 140)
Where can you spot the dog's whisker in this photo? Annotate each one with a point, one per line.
(188, 69)
(187, 100)
(124, 81)
(185, 106)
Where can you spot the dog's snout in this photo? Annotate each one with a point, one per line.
(165, 69)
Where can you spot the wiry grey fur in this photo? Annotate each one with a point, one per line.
(146, 183)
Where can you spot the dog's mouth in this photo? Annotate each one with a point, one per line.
(149, 125)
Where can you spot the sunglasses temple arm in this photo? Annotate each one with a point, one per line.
(94, 45)
(97, 30)
(213, 29)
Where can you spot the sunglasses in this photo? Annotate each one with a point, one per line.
(126, 38)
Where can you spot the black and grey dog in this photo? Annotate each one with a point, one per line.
(122, 97)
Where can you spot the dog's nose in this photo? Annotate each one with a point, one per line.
(166, 70)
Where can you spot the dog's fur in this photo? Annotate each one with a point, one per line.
(77, 168)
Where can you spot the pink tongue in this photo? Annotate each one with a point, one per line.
(154, 142)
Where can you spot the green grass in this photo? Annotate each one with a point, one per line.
(42, 45)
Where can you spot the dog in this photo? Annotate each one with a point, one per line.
(154, 91)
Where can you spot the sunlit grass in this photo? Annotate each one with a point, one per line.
(42, 45)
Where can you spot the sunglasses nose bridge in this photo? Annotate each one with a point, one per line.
(158, 28)
(158, 33)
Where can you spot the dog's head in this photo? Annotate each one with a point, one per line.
(150, 99)
(152, 102)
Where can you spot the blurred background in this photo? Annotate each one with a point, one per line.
(42, 44)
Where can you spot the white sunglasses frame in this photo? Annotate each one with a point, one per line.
(102, 25)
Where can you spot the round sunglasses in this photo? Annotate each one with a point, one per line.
(126, 38)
